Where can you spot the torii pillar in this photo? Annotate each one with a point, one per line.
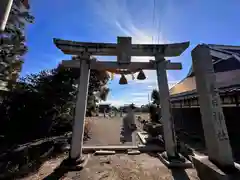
(80, 111)
(168, 124)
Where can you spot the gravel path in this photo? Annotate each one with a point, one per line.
(107, 131)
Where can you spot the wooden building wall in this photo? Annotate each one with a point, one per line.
(188, 120)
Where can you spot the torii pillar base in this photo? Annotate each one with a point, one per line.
(74, 164)
(177, 161)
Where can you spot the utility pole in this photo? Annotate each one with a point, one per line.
(148, 99)
(5, 8)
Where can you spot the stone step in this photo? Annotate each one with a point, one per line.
(133, 152)
(92, 149)
(141, 148)
(102, 152)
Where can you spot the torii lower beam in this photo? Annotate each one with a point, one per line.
(103, 65)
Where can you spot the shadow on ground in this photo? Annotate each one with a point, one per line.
(27, 159)
(23, 163)
(122, 166)
(60, 172)
(179, 174)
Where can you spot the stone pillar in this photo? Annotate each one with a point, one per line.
(80, 110)
(213, 120)
(121, 113)
(168, 126)
(104, 112)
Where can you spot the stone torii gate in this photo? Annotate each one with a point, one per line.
(124, 49)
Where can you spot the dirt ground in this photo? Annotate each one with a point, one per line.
(115, 167)
(106, 131)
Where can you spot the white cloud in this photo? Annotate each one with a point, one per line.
(116, 103)
(138, 94)
(118, 18)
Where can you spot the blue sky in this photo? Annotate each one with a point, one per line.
(197, 21)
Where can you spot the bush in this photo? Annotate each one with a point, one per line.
(42, 105)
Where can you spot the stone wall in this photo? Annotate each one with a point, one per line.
(188, 120)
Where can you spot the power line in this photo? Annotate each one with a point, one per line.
(153, 20)
(158, 29)
(158, 23)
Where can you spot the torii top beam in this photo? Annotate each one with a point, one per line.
(124, 43)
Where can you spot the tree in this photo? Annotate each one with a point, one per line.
(155, 97)
(13, 46)
(42, 104)
(97, 90)
(145, 108)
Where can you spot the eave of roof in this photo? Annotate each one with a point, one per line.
(224, 46)
(224, 80)
(222, 52)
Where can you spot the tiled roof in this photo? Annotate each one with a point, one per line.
(226, 62)
(221, 52)
(223, 79)
(186, 85)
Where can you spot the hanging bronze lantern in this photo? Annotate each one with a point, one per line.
(123, 80)
(141, 75)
